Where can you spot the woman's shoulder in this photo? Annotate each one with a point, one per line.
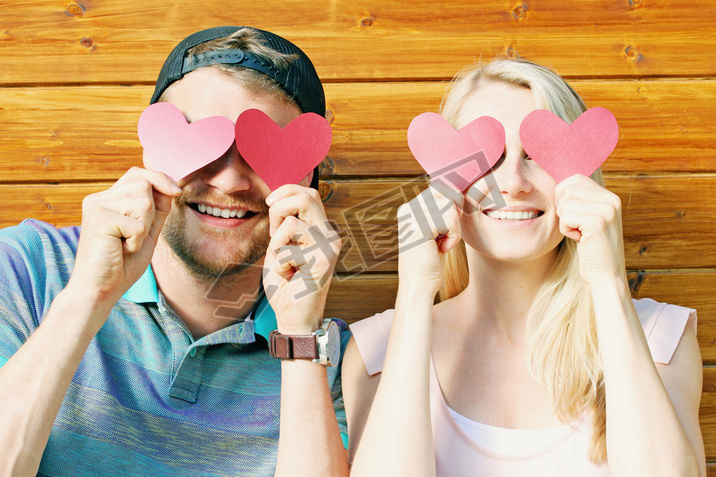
(371, 337)
(663, 325)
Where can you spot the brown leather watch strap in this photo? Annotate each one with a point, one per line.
(292, 346)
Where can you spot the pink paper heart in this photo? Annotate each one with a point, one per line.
(177, 148)
(564, 149)
(458, 158)
(282, 156)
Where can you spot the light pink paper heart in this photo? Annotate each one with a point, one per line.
(177, 148)
(458, 158)
(282, 156)
(564, 149)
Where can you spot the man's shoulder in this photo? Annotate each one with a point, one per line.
(31, 233)
(36, 248)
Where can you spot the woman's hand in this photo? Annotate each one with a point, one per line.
(428, 227)
(591, 216)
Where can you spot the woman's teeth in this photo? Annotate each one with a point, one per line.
(512, 215)
(218, 212)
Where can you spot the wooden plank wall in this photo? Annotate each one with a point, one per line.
(76, 75)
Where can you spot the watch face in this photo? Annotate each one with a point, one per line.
(329, 344)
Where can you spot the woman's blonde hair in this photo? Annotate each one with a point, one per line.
(564, 353)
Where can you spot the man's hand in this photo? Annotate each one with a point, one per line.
(300, 259)
(120, 228)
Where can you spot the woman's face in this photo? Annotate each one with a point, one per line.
(514, 217)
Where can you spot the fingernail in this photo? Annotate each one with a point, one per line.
(175, 188)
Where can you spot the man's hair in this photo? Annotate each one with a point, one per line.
(257, 83)
(265, 64)
(248, 48)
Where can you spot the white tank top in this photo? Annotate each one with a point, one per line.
(464, 447)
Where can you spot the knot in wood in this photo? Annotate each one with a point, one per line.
(632, 54)
(519, 11)
(329, 116)
(75, 10)
(326, 191)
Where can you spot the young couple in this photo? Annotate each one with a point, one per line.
(535, 361)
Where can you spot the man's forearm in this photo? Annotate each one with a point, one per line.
(310, 442)
(35, 380)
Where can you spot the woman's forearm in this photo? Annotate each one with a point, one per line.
(645, 436)
(397, 439)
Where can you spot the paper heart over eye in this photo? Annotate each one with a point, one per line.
(177, 148)
(282, 156)
(564, 149)
(458, 158)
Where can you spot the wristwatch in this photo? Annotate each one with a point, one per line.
(322, 346)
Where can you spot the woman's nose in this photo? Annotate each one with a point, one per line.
(511, 176)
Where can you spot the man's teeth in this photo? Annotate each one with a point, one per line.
(512, 215)
(218, 212)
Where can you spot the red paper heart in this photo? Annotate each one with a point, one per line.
(458, 158)
(564, 149)
(282, 156)
(177, 148)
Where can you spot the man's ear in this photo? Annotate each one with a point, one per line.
(306, 181)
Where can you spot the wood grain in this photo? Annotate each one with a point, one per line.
(681, 287)
(707, 414)
(124, 41)
(352, 298)
(665, 226)
(689, 288)
(59, 134)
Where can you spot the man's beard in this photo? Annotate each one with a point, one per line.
(229, 262)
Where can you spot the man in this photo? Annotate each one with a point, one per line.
(139, 346)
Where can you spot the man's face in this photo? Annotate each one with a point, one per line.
(220, 221)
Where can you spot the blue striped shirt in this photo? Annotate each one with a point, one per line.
(148, 399)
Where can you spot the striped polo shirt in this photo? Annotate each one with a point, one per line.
(147, 398)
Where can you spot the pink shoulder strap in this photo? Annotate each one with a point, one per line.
(371, 336)
(664, 325)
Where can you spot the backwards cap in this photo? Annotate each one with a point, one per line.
(299, 80)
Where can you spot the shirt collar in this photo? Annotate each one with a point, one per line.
(145, 290)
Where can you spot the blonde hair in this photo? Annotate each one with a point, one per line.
(257, 83)
(569, 369)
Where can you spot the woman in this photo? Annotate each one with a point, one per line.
(535, 360)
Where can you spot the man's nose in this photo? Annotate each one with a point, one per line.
(230, 173)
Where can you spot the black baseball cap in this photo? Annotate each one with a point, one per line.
(299, 80)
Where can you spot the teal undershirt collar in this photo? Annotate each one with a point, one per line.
(145, 290)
